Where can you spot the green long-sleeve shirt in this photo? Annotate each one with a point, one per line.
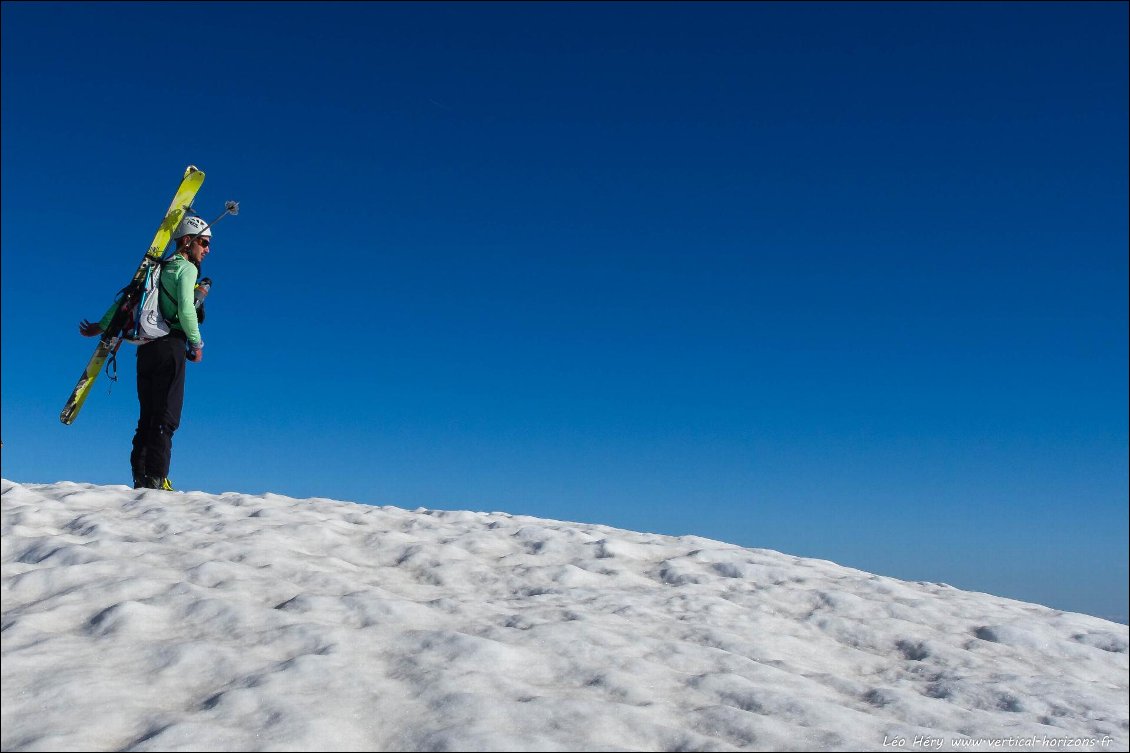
(178, 283)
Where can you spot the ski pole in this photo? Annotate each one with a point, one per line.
(230, 207)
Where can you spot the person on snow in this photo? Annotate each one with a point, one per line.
(161, 362)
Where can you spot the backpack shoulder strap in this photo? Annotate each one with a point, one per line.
(161, 291)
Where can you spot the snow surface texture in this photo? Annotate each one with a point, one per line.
(146, 620)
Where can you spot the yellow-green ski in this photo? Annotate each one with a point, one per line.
(112, 337)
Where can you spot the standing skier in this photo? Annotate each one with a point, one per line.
(161, 362)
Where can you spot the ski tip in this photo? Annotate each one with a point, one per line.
(191, 169)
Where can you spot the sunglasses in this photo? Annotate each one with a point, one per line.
(204, 242)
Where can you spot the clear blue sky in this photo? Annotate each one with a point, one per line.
(846, 281)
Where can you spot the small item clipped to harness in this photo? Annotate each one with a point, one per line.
(199, 293)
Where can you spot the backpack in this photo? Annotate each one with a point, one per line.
(144, 320)
(141, 303)
(139, 307)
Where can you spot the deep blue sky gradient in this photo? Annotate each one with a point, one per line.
(842, 280)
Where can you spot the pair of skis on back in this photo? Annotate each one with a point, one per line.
(112, 337)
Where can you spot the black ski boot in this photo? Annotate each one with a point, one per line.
(152, 482)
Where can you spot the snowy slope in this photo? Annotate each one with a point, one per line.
(144, 620)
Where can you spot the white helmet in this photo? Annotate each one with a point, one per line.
(192, 225)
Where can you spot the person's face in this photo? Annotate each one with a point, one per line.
(199, 248)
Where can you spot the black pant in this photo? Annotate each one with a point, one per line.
(160, 390)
